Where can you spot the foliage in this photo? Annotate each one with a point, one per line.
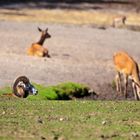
(63, 91)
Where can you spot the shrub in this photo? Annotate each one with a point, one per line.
(63, 91)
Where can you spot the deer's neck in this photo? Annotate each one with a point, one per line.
(41, 41)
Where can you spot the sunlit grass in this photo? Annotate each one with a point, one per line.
(76, 120)
(63, 91)
(66, 16)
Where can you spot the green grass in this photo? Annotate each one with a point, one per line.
(71, 120)
(63, 91)
(5, 90)
(37, 118)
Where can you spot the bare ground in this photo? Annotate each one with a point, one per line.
(78, 53)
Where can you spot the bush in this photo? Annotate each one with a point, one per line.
(64, 91)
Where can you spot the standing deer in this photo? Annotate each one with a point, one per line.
(37, 48)
(119, 21)
(22, 88)
(125, 65)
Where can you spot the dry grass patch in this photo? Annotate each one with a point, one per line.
(66, 16)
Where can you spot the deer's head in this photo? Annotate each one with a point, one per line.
(44, 33)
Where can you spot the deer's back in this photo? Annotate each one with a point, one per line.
(124, 63)
(36, 49)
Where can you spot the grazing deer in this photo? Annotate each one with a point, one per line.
(22, 88)
(37, 48)
(119, 21)
(127, 66)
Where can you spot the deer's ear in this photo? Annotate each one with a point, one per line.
(46, 29)
(40, 30)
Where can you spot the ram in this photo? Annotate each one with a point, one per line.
(22, 88)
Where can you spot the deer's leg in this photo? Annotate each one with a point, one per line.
(118, 82)
(46, 53)
(135, 90)
(138, 92)
(125, 85)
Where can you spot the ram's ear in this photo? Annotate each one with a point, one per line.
(40, 30)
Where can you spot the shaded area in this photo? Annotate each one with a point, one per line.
(108, 92)
(69, 1)
(66, 1)
(66, 4)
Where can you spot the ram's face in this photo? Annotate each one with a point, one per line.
(26, 87)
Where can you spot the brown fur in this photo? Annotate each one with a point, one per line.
(126, 65)
(38, 50)
(22, 88)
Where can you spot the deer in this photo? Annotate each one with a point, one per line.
(22, 88)
(127, 67)
(37, 48)
(119, 21)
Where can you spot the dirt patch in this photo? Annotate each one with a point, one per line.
(108, 92)
(78, 53)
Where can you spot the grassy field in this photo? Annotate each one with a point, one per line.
(69, 120)
(44, 116)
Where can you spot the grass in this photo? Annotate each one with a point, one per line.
(6, 89)
(63, 91)
(53, 16)
(66, 16)
(71, 120)
(36, 117)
